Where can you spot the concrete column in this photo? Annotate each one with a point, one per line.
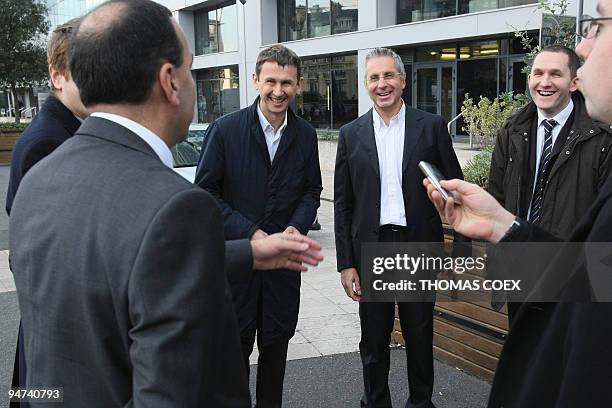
(365, 103)
(386, 13)
(366, 14)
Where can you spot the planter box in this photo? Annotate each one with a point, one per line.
(467, 334)
(7, 141)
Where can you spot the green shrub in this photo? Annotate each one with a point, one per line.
(484, 119)
(12, 127)
(477, 169)
(327, 134)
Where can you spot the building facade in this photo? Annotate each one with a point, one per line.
(450, 48)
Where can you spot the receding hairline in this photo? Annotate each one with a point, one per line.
(101, 18)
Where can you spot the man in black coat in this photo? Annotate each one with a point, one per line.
(557, 355)
(58, 119)
(262, 165)
(378, 198)
(551, 177)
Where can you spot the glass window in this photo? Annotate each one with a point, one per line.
(218, 92)
(298, 19)
(291, 20)
(344, 16)
(477, 78)
(443, 52)
(409, 11)
(227, 18)
(329, 96)
(216, 30)
(479, 49)
(318, 18)
(316, 92)
(344, 90)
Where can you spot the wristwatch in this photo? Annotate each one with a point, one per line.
(513, 230)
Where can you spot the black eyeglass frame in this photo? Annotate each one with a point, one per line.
(587, 20)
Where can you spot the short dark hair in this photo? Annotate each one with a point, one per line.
(116, 59)
(573, 59)
(281, 55)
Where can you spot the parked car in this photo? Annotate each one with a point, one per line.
(186, 154)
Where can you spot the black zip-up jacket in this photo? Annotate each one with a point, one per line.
(580, 165)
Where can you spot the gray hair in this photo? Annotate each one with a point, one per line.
(386, 52)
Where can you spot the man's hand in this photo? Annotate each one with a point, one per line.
(351, 284)
(291, 230)
(479, 216)
(259, 234)
(287, 251)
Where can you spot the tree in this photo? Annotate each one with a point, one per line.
(23, 52)
(559, 29)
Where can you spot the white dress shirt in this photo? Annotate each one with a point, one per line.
(390, 148)
(273, 137)
(560, 118)
(157, 144)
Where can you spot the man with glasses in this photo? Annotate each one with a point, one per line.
(378, 198)
(556, 354)
(550, 158)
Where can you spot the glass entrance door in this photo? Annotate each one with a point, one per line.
(517, 80)
(434, 89)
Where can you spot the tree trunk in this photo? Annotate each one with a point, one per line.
(15, 105)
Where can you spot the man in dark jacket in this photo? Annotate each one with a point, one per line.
(551, 159)
(262, 165)
(59, 119)
(557, 354)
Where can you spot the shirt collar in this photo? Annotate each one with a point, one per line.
(379, 122)
(560, 117)
(155, 142)
(265, 124)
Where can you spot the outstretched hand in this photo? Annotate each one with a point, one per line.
(285, 251)
(479, 216)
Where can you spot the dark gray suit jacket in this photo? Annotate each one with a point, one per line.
(118, 263)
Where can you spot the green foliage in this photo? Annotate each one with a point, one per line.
(327, 134)
(477, 169)
(560, 28)
(12, 127)
(23, 52)
(487, 117)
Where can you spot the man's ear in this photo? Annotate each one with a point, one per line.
(255, 81)
(574, 84)
(57, 79)
(167, 83)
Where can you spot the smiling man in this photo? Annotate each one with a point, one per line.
(551, 159)
(262, 165)
(378, 198)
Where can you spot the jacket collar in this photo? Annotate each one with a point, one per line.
(56, 108)
(287, 139)
(413, 129)
(115, 133)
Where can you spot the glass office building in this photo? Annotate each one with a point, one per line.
(61, 11)
(449, 48)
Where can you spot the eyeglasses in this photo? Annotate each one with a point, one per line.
(589, 27)
(387, 76)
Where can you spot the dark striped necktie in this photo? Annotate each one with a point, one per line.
(538, 192)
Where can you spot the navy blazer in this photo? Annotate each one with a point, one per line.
(357, 183)
(255, 193)
(53, 125)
